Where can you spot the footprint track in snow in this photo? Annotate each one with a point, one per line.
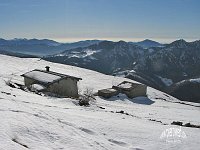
(118, 142)
(87, 131)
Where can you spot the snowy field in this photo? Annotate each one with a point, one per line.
(31, 121)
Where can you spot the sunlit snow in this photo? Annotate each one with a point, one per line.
(31, 121)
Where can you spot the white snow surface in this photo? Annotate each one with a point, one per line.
(37, 87)
(166, 81)
(42, 76)
(195, 80)
(49, 123)
(125, 85)
(111, 90)
(84, 54)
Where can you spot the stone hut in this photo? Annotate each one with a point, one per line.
(131, 89)
(53, 82)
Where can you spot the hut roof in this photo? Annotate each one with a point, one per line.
(47, 77)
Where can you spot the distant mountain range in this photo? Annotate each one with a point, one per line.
(40, 47)
(24, 41)
(49, 47)
(148, 43)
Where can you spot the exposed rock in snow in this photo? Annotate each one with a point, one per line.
(166, 81)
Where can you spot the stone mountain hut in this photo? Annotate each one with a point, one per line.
(53, 82)
(131, 90)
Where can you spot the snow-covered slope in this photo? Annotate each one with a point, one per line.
(30, 121)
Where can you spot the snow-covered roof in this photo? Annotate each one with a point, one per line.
(108, 90)
(46, 76)
(38, 87)
(125, 85)
(41, 76)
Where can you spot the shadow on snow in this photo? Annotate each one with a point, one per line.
(138, 100)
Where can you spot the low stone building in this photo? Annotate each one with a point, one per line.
(107, 93)
(131, 89)
(53, 82)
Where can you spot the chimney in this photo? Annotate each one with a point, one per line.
(47, 68)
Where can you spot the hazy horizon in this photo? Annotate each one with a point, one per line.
(163, 41)
(75, 20)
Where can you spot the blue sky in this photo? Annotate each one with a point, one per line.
(73, 20)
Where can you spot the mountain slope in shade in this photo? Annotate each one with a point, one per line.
(187, 90)
(25, 41)
(177, 61)
(21, 55)
(106, 57)
(31, 121)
